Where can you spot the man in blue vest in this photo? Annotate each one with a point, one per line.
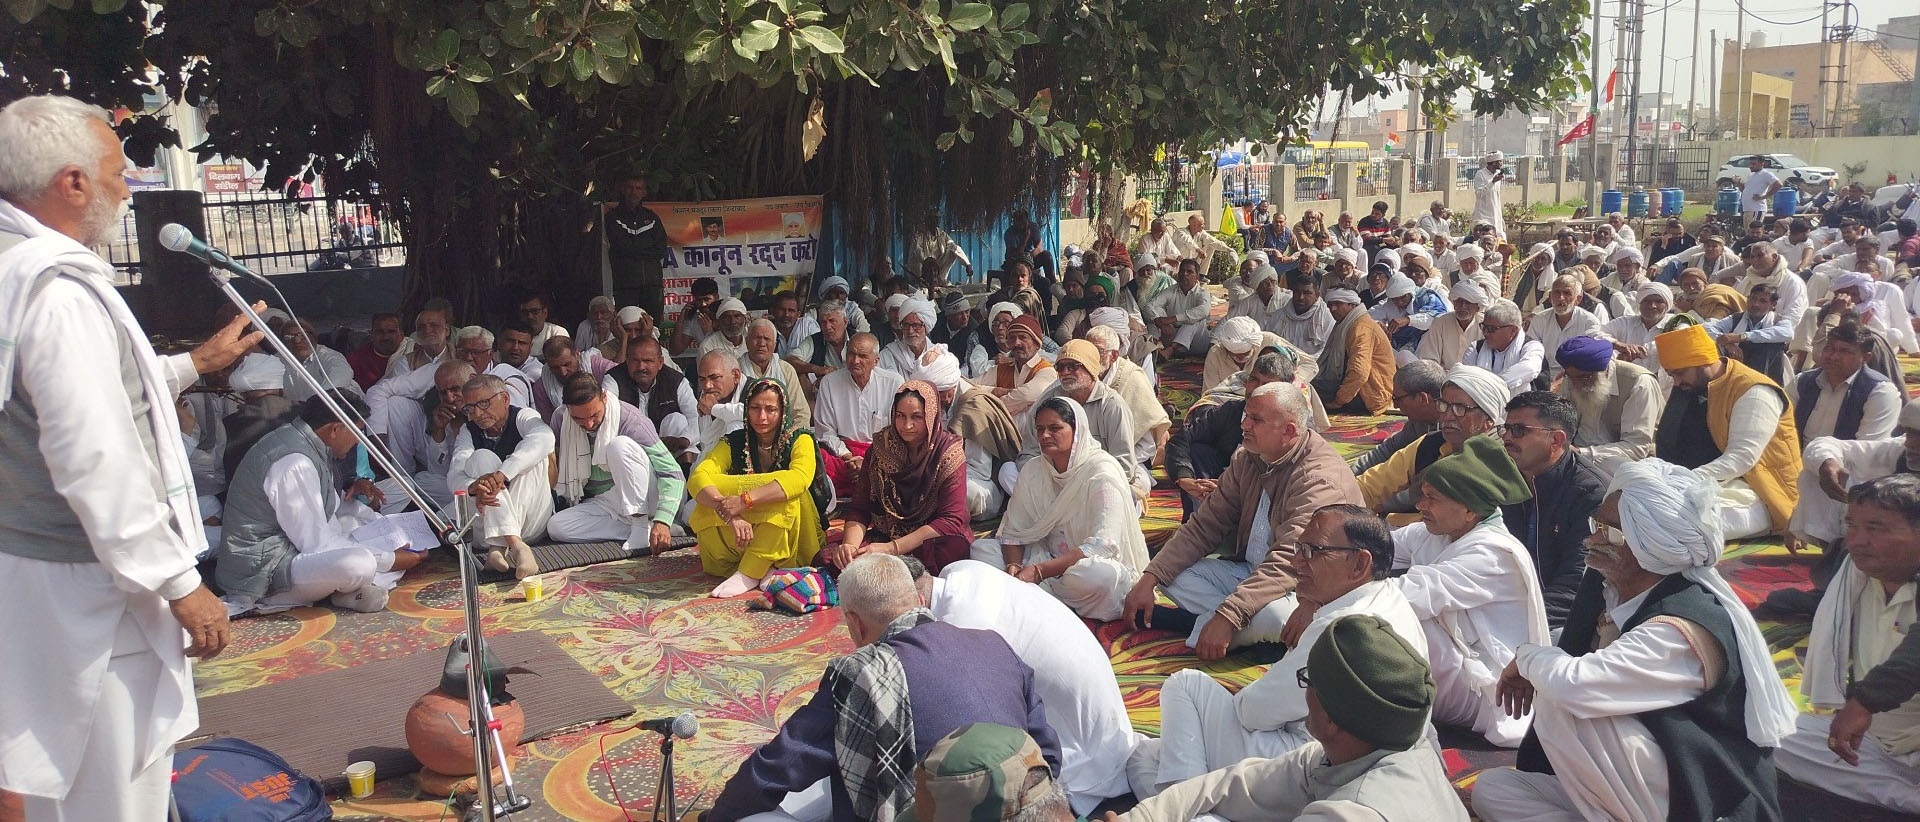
(1843, 398)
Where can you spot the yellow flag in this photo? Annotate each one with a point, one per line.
(1230, 219)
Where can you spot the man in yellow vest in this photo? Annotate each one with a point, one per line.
(1731, 424)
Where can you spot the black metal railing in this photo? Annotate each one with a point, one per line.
(277, 235)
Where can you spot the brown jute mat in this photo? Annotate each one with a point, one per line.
(324, 722)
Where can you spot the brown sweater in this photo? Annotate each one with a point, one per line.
(1370, 369)
(1308, 478)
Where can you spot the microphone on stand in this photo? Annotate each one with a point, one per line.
(683, 726)
(176, 237)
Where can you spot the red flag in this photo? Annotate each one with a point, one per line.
(1579, 130)
(1611, 76)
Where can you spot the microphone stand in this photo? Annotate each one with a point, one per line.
(482, 727)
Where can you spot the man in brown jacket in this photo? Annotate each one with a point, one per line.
(1357, 366)
(1282, 474)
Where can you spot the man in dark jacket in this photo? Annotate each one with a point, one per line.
(1567, 488)
(636, 243)
(906, 690)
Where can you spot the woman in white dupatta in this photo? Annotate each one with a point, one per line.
(1070, 526)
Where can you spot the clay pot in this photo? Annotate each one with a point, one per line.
(441, 746)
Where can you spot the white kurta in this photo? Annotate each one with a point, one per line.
(718, 341)
(1478, 600)
(1609, 443)
(329, 561)
(1631, 330)
(1877, 416)
(1819, 516)
(527, 503)
(1486, 201)
(1546, 328)
(1203, 727)
(1265, 312)
(1755, 420)
(1071, 672)
(416, 452)
(1445, 344)
(329, 368)
(846, 411)
(900, 359)
(109, 689)
(1517, 365)
(1608, 766)
(619, 513)
(1189, 310)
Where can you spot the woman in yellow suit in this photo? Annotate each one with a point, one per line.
(758, 496)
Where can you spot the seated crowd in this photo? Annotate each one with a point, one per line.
(1529, 558)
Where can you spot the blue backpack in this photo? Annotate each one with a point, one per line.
(233, 780)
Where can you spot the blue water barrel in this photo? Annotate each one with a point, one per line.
(1609, 201)
(1673, 201)
(1638, 203)
(1727, 202)
(1786, 201)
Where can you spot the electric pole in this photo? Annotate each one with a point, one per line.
(1693, 76)
(1593, 118)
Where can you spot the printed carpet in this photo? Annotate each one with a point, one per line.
(645, 628)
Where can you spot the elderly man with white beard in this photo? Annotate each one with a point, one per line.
(1619, 403)
(902, 355)
(729, 331)
(1661, 700)
(1562, 319)
(1263, 305)
(1632, 336)
(1446, 341)
(1472, 583)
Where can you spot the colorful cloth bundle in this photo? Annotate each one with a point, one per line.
(798, 591)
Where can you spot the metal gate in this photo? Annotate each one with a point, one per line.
(1686, 167)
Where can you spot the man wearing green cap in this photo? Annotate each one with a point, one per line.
(1472, 584)
(1368, 693)
(986, 773)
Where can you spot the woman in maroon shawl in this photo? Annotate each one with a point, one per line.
(911, 497)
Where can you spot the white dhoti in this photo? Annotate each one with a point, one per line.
(619, 513)
(1093, 587)
(1817, 516)
(1884, 779)
(1193, 336)
(1607, 768)
(97, 694)
(1201, 732)
(1742, 514)
(1202, 587)
(1457, 703)
(349, 569)
(433, 486)
(524, 507)
(984, 499)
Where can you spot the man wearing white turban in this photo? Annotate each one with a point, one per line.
(1633, 335)
(1233, 345)
(1860, 659)
(1661, 700)
(1264, 302)
(835, 288)
(987, 430)
(1406, 312)
(1486, 192)
(1447, 339)
(916, 320)
(729, 331)
(1472, 401)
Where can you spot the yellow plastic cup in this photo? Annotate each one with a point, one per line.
(533, 588)
(360, 779)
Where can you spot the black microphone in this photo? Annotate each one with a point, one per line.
(176, 237)
(683, 726)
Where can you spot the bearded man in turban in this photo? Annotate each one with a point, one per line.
(1733, 425)
(1619, 403)
(1661, 700)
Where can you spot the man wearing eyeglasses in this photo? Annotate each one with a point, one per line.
(500, 460)
(1505, 349)
(1341, 560)
(1472, 401)
(1552, 524)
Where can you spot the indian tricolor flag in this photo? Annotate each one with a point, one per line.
(1393, 141)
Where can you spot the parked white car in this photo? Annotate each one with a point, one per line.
(1791, 170)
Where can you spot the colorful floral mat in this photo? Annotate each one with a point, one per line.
(646, 628)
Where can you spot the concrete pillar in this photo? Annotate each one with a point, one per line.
(1523, 168)
(1399, 183)
(1448, 181)
(1207, 195)
(1282, 180)
(1608, 167)
(1558, 170)
(1346, 183)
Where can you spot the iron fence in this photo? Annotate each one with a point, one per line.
(1685, 167)
(274, 235)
